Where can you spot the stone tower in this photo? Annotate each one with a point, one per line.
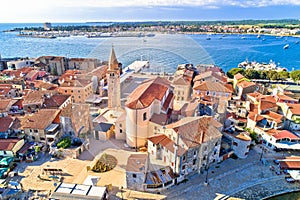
(113, 81)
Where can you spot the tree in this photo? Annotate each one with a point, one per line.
(235, 71)
(283, 75)
(295, 75)
(252, 74)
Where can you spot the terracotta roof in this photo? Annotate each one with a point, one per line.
(255, 117)
(159, 118)
(8, 144)
(5, 123)
(56, 100)
(281, 134)
(195, 130)
(41, 119)
(179, 80)
(147, 92)
(43, 85)
(137, 163)
(168, 101)
(274, 116)
(286, 98)
(208, 74)
(238, 76)
(75, 83)
(35, 97)
(255, 94)
(211, 86)
(294, 108)
(166, 142)
(188, 109)
(264, 105)
(290, 164)
(4, 104)
(99, 71)
(245, 84)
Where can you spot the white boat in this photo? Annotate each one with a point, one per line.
(297, 42)
(258, 36)
(286, 46)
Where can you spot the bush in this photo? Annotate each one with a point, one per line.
(105, 163)
(64, 143)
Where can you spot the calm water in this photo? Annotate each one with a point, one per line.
(165, 52)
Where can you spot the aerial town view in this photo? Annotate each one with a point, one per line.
(150, 100)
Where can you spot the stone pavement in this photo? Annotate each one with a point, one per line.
(234, 179)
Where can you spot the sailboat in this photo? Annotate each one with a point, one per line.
(286, 46)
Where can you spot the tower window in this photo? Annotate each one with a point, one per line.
(145, 116)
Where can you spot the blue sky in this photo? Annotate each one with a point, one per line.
(144, 10)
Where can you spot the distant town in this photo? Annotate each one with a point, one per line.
(85, 129)
(142, 29)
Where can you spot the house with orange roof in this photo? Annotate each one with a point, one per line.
(42, 126)
(34, 99)
(244, 87)
(78, 89)
(193, 142)
(266, 121)
(280, 139)
(212, 89)
(282, 98)
(292, 114)
(153, 96)
(211, 76)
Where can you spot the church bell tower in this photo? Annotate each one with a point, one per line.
(113, 81)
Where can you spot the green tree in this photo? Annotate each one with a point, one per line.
(234, 71)
(295, 75)
(283, 75)
(251, 74)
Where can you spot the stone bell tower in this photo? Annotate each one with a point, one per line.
(113, 81)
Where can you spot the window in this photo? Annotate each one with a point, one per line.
(183, 158)
(194, 161)
(65, 91)
(235, 144)
(145, 116)
(36, 131)
(183, 167)
(207, 93)
(134, 175)
(121, 130)
(120, 125)
(195, 152)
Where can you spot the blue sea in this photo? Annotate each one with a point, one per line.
(164, 51)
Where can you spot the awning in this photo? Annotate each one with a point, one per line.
(52, 127)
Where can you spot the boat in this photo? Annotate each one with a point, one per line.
(297, 42)
(208, 38)
(243, 37)
(258, 36)
(286, 46)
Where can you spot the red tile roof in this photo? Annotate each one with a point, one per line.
(245, 84)
(166, 142)
(196, 130)
(147, 92)
(286, 98)
(265, 105)
(281, 134)
(56, 101)
(41, 119)
(238, 76)
(8, 144)
(294, 108)
(211, 86)
(5, 123)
